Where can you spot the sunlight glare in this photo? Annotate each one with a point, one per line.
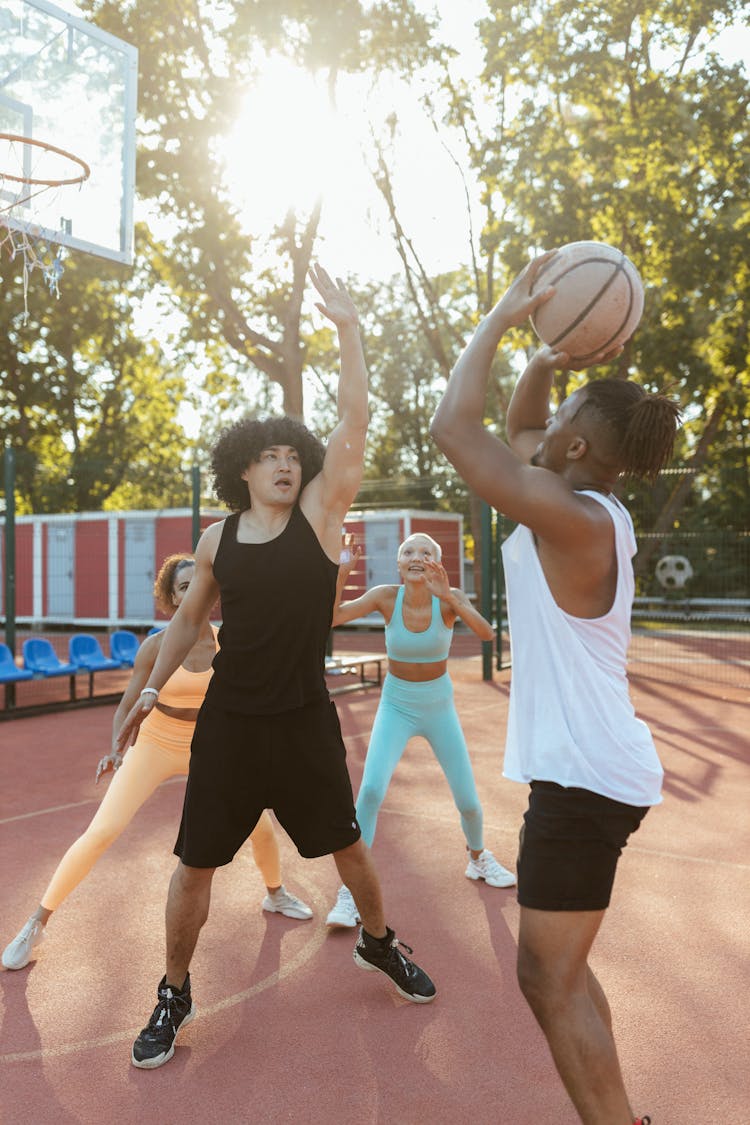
(286, 124)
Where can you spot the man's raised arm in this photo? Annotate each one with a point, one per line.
(344, 460)
(458, 427)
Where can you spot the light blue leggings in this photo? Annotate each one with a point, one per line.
(405, 710)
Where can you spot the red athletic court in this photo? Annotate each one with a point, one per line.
(290, 1030)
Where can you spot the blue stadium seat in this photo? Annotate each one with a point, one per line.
(123, 646)
(9, 670)
(40, 658)
(86, 653)
(155, 629)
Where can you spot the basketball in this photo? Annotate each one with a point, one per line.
(597, 304)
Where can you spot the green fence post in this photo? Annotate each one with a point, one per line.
(487, 574)
(10, 549)
(10, 565)
(195, 474)
(500, 588)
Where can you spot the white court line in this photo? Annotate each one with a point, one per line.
(72, 805)
(639, 849)
(290, 967)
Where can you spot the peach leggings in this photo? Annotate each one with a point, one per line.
(161, 751)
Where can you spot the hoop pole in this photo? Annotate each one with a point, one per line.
(45, 146)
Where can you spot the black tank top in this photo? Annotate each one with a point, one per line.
(277, 604)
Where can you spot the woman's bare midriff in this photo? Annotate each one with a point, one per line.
(187, 714)
(417, 673)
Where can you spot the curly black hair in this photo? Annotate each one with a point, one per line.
(244, 442)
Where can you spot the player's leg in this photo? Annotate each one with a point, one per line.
(224, 799)
(570, 844)
(390, 733)
(555, 978)
(144, 767)
(443, 730)
(267, 856)
(391, 730)
(314, 803)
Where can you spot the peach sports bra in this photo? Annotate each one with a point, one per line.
(186, 689)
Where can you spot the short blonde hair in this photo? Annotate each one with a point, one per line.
(422, 535)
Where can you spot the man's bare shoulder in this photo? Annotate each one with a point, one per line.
(208, 544)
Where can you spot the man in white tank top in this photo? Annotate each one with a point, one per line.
(572, 732)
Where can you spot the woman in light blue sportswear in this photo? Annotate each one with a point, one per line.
(417, 696)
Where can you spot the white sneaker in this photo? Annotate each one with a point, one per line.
(486, 867)
(282, 902)
(344, 912)
(18, 954)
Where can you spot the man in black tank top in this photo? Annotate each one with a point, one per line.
(268, 735)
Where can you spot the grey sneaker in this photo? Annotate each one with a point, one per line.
(344, 911)
(282, 902)
(486, 867)
(18, 954)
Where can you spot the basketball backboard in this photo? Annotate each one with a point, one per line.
(66, 83)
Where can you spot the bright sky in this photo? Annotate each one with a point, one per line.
(289, 119)
(288, 122)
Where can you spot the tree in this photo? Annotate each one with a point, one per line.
(619, 124)
(88, 405)
(196, 61)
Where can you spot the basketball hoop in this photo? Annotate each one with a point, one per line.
(31, 168)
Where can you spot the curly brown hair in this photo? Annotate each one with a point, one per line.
(244, 442)
(164, 582)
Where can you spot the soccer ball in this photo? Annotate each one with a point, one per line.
(674, 572)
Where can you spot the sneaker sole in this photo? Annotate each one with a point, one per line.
(351, 923)
(288, 914)
(406, 995)
(481, 879)
(29, 959)
(152, 1064)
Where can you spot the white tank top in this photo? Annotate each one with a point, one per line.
(571, 720)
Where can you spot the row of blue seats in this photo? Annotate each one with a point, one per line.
(84, 655)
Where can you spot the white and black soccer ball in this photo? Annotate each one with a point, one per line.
(674, 572)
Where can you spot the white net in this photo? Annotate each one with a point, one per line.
(32, 171)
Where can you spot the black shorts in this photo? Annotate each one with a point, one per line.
(569, 845)
(293, 763)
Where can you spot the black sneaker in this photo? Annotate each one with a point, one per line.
(385, 956)
(155, 1045)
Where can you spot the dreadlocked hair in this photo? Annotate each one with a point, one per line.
(244, 442)
(641, 427)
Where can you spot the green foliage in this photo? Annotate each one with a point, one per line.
(87, 404)
(242, 289)
(619, 124)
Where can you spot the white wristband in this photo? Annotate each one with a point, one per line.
(151, 691)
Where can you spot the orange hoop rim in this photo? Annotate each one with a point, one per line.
(32, 181)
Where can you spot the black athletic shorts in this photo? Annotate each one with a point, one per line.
(569, 845)
(293, 763)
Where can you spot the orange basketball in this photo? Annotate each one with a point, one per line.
(597, 304)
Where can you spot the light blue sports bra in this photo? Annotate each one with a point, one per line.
(417, 648)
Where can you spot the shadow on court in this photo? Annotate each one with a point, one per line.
(289, 1030)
